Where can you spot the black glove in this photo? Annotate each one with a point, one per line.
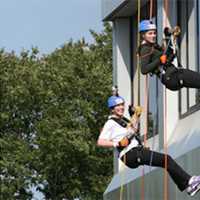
(167, 32)
(131, 110)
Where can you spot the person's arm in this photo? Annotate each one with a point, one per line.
(147, 64)
(106, 143)
(105, 135)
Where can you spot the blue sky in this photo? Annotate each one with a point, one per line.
(47, 24)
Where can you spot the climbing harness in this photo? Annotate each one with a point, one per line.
(126, 123)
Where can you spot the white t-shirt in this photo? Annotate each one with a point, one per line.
(115, 132)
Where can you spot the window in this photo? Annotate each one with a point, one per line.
(188, 20)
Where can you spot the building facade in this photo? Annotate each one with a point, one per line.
(181, 108)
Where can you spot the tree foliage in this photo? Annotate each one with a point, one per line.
(52, 108)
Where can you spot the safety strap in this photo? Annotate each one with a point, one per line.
(124, 123)
(121, 121)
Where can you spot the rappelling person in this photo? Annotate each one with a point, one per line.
(117, 133)
(155, 60)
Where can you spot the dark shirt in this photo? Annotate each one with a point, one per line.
(150, 58)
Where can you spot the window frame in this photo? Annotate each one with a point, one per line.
(196, 107)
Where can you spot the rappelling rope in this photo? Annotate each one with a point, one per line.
(122, 179)
(165, 116)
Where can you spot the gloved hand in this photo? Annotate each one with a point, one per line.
(124, 142)
(163, 59)
(134, 110)
(131, 110)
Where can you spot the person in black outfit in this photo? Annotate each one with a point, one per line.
(154, 61)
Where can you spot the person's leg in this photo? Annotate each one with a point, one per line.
(179, 176)
(171, 83)
(189, 78)
(156, 159)
(143, 156)
(170, 78)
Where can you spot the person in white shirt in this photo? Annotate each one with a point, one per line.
(116, 134)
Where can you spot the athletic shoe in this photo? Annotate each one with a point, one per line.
(194, 185)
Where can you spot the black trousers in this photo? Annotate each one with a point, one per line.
(176, 78)
(143, 156)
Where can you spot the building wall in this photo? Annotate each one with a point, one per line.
(183, 114)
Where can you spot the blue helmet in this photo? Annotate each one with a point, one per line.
(115, 100)
(146, 25)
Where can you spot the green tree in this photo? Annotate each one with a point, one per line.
(51, 111)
